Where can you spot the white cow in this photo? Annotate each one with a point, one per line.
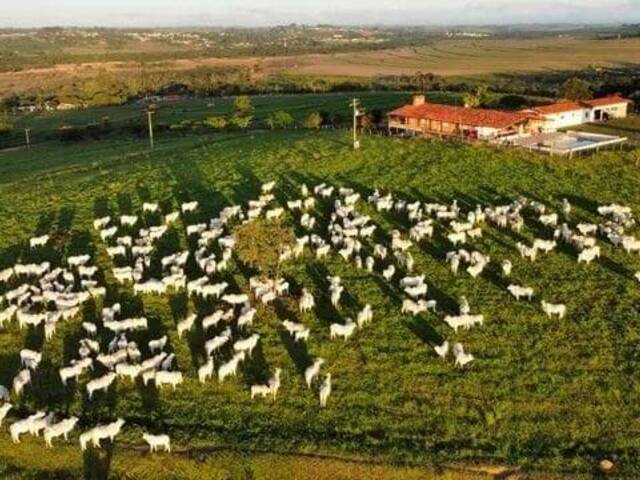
(102, 383)
(4, 394)
(205, 371)
(442, 350)
(415, 308)
(364, 316)
(247, 345)
(150, 207)
(168, 378)
(325, 390)
(307, 302)
(4, 411)
(156, 442)
(342, 330)
(389, 272)
(22, 379)
(41, 241)
(313, 370)
(186, 324)
(551, 309)
(336, 293)
(109, 431)
(507, 266)
(189, 207)
(519, 292)
(62, 428)
(461, 358)
(416, 291)
(231, 367)
(217, 342)
(24, 426)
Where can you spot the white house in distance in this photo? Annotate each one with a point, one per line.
(431, 119)
(552, 117)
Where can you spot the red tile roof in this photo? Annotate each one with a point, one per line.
(610, 100)
(560, 107)
(474, 117)
(563, 107)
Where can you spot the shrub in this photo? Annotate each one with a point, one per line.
(313, 120)
(478, 98)
(217, 123)
(242, 121)
(279, 119)
(242, 105)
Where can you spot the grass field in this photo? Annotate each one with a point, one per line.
(44, 127)
(485, 57)
(449, 58)
(543, 394)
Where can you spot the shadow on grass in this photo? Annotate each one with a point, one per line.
(97, 462)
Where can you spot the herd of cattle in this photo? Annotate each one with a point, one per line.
(43, 295)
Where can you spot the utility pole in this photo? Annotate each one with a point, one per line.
(149, 117)
(27, 138)
(356, 112)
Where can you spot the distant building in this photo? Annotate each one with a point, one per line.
(66, 106)
(424, 118)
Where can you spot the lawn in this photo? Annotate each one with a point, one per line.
(543, 394)
(123, 120)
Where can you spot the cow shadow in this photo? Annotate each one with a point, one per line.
(102, 207)
(297, 351)
(125, 203)
(97, 462)
(256, 369)
(424, 331)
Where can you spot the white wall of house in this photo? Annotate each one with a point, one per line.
(487, 133)
(572, 118)
(616, 110)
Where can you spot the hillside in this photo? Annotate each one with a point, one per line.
(540, 394)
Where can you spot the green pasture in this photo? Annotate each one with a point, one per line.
(543, 394)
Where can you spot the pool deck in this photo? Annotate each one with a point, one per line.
(568, 143)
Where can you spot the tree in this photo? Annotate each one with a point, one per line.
(313, 120)
(259, 244)
(242, 106)
(512, 102)
(477, 98)
(425, 81)
(575, 89)
(279, 119)
(242, 121)
(217, 123)
(6, 125)
(104, 89)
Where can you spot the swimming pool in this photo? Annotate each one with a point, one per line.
(568, 143)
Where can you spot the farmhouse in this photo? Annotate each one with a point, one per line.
(424, 118)
(569, 114)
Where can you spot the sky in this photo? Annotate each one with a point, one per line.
(156, 13)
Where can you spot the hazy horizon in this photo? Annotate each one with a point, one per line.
(262, 13)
